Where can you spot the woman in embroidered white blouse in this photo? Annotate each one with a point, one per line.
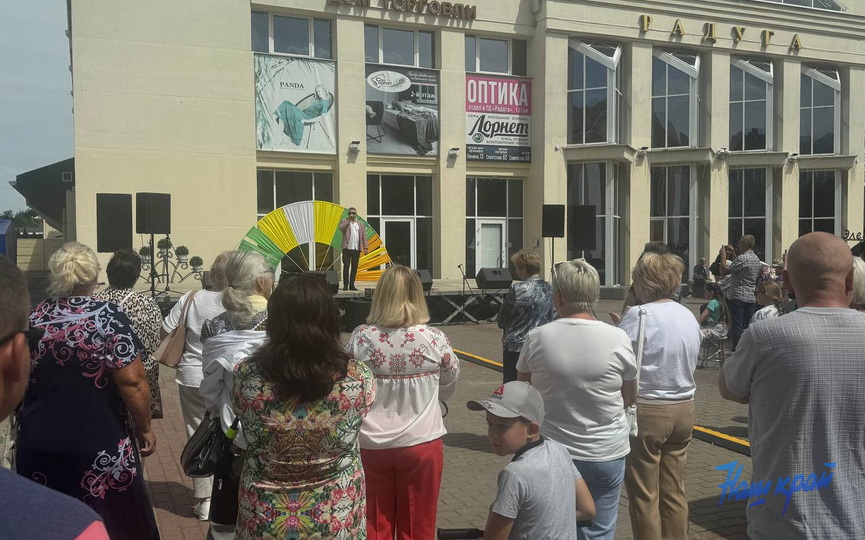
(400, 439)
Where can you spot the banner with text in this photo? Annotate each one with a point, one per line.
(498, 119)
(294, 104)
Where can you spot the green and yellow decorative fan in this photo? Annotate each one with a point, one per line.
(292, 230)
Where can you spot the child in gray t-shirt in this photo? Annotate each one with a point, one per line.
(540, 492)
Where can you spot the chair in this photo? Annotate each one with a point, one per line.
(375, 120)
(712, 351)
(312, 122)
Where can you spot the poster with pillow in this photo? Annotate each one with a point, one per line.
(402, 110)
(294, 104)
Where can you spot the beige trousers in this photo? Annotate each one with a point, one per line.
(655, 471)
(192, 407)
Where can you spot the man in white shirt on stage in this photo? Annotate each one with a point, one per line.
(353, 243)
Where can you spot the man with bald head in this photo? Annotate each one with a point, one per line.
(803, 375)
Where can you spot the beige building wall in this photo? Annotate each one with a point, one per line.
(164, 103)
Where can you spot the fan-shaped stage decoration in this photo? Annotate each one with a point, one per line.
(284, 236)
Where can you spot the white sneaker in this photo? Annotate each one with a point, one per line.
(202, 510)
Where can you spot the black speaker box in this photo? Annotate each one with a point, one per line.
(153, 213)
(553, 221)
(113, 222)
(494, 278)
(425, 279)
(330, 277)
(581, 227)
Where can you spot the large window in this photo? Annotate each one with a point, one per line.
(597, 185)
(489, 55)
(278, 188)
(395, 46)
(750, 104)
(594, 92)
(820, 111)
(817, 4)
(494, 222)
(750, 209)
(400, 208)
(672, 218)
(674, 98)
(819, 202)
(281, 34)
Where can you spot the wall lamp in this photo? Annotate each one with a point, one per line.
(642, 151)
(794, 157)
(454, 152)
(354, 147)
(723, 154)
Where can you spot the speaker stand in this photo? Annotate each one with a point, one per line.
(156, 276)
(153, 274)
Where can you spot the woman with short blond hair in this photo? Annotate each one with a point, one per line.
(585, 371)
(857, 296)
(86, 381)
(528, 304)
(400, 439)
(654, 473)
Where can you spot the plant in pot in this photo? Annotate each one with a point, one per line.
(182, 253)
(164, 244)
(197, 263)
(144, 252)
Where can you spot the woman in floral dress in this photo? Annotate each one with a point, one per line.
(86, 374)
(301, 400)
(123, 270)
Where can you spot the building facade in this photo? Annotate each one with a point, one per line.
(449, 126)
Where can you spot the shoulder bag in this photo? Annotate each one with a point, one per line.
(171, 348)
(203, 450)
(631, 412)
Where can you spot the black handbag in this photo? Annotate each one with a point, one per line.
(204, 449)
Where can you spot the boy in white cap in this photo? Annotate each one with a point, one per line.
(536, 496)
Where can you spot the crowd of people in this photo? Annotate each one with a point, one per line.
(344, 439)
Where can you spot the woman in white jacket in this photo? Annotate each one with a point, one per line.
(232, 337)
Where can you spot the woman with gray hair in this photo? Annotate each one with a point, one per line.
(232, 337)
(74, 435)
(655, 470)
(857, 295)
(585, 371)
(203, 306)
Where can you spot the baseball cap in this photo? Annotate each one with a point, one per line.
(512, 400)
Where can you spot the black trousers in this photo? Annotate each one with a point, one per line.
(350, 258)
(509, 366)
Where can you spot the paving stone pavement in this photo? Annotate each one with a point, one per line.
(469, 480)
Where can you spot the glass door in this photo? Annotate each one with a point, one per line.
(399, 238)
(491, 245)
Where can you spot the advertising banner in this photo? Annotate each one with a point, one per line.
(402, 110)
(294, 104)
(498, 119)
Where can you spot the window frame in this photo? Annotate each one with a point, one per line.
(841, 9)
(768, 78)
(413, 217)
(693, 213)
(816, 75)
(693, 72)
(273, 172)
(311, 27)
(473, 216)
(612, 215)
(614, 90)
(768, 216)
(416, 32)
(510, 61)
(838, 200)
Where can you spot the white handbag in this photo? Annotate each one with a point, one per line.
(631, 412)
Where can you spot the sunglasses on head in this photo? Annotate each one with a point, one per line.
(352, 213)
(34, 336)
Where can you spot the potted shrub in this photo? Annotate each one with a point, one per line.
(144, 252)
(196, 263)
(164, 245)
(182, 253)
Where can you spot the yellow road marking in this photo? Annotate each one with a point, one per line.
(479, 358)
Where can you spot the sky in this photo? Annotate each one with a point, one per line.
(35, 85)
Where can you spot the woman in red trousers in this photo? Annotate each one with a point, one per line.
(400, 439)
